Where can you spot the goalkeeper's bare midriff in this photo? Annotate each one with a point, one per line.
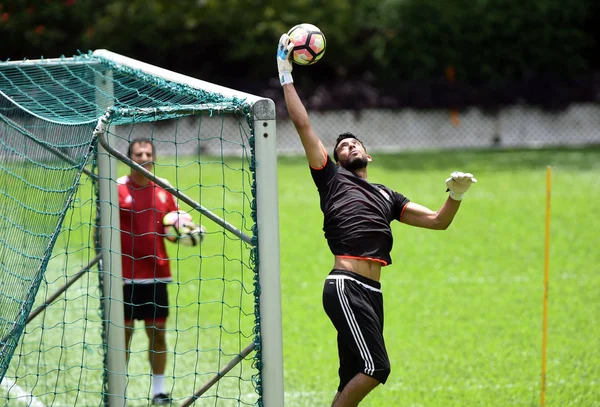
(367, 268)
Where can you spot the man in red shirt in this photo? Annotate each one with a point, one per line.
(146, 269)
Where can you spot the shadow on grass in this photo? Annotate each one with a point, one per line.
(580, 158)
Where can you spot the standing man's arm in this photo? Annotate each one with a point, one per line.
(313, 147)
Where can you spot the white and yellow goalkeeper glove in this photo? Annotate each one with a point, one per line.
(284, 60)
(458, 183)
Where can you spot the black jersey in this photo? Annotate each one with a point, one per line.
(357, 213)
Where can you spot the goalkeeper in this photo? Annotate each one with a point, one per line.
(357, 217)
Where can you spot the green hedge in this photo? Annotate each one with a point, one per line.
(467, 42)
(484, 40)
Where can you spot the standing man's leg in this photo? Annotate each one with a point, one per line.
(128, 335)
(157, 342)
(129, 317)
(157, 355)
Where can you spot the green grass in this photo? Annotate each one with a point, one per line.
(463, 306)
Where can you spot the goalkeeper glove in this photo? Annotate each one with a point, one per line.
(458, 183)
(284, 61)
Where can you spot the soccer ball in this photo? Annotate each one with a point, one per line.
(180, 228)
(309, 43)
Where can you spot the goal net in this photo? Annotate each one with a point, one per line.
(65, 128)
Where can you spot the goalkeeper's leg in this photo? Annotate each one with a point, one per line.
(355, 391)
(355, 306)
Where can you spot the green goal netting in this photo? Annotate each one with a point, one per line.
(65, 126)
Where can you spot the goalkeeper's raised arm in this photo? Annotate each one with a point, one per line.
(313, 147)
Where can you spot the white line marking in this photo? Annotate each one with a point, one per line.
(16, 392)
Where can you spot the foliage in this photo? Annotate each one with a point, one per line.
(483, 40)
(45, 28)
(419, 53)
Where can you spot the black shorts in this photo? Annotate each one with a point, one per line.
(147, 302)
(355, 306)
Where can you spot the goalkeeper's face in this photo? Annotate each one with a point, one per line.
(143, 154)
(352, 154)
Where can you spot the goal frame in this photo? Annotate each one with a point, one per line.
(264, 124)
(263, 117)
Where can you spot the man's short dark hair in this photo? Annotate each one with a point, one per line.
(141, 140)
(339, 140)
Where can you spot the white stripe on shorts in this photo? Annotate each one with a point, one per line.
(345, 277)
(354, 328)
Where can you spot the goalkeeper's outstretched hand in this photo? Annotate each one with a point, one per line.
(284, 60)
(458, 183)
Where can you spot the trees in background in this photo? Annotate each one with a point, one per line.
(388, 52)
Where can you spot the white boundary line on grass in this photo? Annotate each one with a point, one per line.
(15, 391)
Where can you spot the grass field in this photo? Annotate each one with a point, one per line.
(463, 306)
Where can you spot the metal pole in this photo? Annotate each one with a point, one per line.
(116, 369)
(268, 252)
(233, 363)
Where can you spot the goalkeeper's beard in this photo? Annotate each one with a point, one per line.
(355, 164)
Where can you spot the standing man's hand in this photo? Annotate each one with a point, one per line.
(284, 60)
(458, 183)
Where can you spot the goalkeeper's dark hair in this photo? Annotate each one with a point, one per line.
(141, 140)
(339, 140)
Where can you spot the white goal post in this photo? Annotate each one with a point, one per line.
(264, 124)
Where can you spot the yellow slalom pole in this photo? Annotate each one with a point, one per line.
(546, 281)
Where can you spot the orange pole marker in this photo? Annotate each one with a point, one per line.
(546, 284)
